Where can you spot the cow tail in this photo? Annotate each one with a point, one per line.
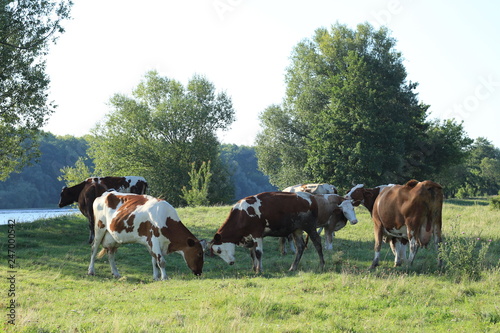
(102, 253)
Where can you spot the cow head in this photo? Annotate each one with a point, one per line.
(192, 253)
(348, 211)
(68, 196)
(224, 250)
(356, 194)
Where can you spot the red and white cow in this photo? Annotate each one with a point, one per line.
(130, 218)
(408, 213)
(365, 196)
(276, 214)
(86, 192)
(127, 184)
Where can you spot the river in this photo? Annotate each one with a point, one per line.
(30, 215)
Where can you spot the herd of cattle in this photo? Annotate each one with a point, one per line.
(119, 212)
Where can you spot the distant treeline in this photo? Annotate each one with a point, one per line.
(37, 186)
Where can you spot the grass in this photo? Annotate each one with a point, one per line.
(54, 293)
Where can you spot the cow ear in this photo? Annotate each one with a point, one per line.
(203, 244)
(191, 242)
(217, 238)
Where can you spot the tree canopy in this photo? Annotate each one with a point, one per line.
(351, 115)
(27, 28)
(161, 131)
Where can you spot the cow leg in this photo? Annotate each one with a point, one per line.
(413, 250)
(316, 239)
(101, 232)
(299, 246)
(399, 250)
(112, 262)
(282, 243)
(256, 252)
(329, 234)
(378, 233)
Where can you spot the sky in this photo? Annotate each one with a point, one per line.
(451, 48)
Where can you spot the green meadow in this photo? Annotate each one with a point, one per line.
(53, 292)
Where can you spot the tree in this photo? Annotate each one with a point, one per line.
(27, 28)
(199, 181)
(161, 131)
(349, 114)
(245, 175)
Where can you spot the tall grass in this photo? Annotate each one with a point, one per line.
(54, 293)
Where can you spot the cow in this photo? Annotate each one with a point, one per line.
(312, 188)
(85, 193)
(333, 213)
(309, 188)
(365, 196)
(128, 184)
(122, 218)
(275, 214)
(410, 213)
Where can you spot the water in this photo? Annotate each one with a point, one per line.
(30, 215)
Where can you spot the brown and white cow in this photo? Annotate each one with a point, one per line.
(333, 213)
(128, 184)
(410, 213)
(365, 196)
(321, 188)
(123, 218)
(86, 192)
(276, 214)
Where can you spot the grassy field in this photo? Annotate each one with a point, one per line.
(53, 292)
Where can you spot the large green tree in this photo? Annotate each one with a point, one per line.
(161, 131)
(350, 115)
(27, 28)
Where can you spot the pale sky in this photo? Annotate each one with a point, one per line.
(451, 48)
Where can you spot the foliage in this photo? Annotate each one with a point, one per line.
(478, 175)
(199, 181)
(351, 115)
(75, 175)
(495, 202)
(245, 175)
(27, 28)
(160, 131)
(38, 186)
(55, 294)
(464, 256)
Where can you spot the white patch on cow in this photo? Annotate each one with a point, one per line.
(304, 195)
(225, 251)
(348, 210)
(348, 195)
(399, 233)
(244, 205)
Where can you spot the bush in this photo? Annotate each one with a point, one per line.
(464, 256)
(495, 202)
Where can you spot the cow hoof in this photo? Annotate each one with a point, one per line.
(91, 273)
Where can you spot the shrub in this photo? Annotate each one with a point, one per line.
(495, 202)
(464, 256)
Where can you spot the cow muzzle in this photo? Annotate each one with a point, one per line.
(354, 221)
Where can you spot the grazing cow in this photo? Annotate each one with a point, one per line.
(365, 196)
(85, 193)
(408, 213)
(128, 184)
(132, 218)
(276, 214)
(312, 188)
